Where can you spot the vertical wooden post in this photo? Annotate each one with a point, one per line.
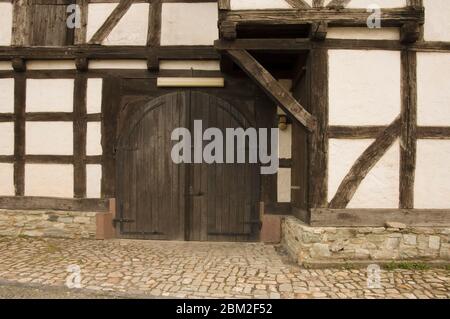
(154, 24)
(318, 139)
(79, 135)
(19, 133)
(80, 33)
(409, 128)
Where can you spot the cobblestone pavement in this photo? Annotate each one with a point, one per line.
(199, 270)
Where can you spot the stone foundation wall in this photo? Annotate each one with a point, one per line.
(46, 223)
(310, 245)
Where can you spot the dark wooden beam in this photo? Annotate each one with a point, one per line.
(79, 135)
(19, 133)
(154, 24)
(80, 33)
(318, 140)
(51, 203)
(355, 132)
(346, 17)
(436, 133)
(379, 217)
(114, 18)
(278, 45)
(364, 164)
(224, 4)
(272, 88)
(408, 143)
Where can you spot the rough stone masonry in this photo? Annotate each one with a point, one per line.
(310, 245)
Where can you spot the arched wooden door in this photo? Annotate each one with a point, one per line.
(158, 199)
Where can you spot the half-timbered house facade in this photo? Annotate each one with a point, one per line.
(91, 91)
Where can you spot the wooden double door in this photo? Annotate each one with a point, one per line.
(159, 199)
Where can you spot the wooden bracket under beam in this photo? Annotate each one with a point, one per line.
(228, 30)
(318, 31)
(273, 88)
(410, 32)
(19, 65)
(82, 64)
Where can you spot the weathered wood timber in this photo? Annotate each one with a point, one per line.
(409, 128)
(346, 17)
(114, 18)
(79, 135)
(379, 217)
(409, 32)
(52, 203)
(364, 164)
(19, 133)
(319, 31)
(272, 87)
(355, 132)
(338, 4)
(318, 141)
(154, 25)
(298, 4)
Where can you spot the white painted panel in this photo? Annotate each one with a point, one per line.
(364, 87)
(49, 138)
(364, 33)
(132, 28)
(49, 95)
(285, 142)
(6, 66)
(93, 180)
(432, 183)
(208, 65)
(51, 65)
(284, 185)
(94, 96)
(6, 139)
(6, 95)
(94, 138)
(189, 23)
(6, 179)
(433, 88)
(97, 14)
(5, 23)
(380, 188)
(437, 22)
(258, 4)
(118, 64)
(53, 180)
(380, 3)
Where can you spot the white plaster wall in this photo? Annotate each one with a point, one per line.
(132, 28)
(258, 4)
(49, 95)
(189, 23)
(53, 180)
(284, 185)
(6, 95)
(208, 65)
(364, 87)
(93, 138)
(130, 64)
(380, 188)
(97, 15)
(6, 138)
(5, 23)
(364, 33)
(7, 179)
(51, 65)
(49, 138)
(94, 96)
(285, 142)
(380, 3)
(6, 66)
(432, 182)
(433, 88)
(437, 22)
(93, 180)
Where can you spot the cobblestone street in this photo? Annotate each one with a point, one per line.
(199, 270)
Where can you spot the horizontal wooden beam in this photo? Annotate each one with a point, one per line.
(109, 52)
(272, 88)
(52, 203)
(436, 133)
(277, 208)
(355, 132)
(379, 217)
(345, 17)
